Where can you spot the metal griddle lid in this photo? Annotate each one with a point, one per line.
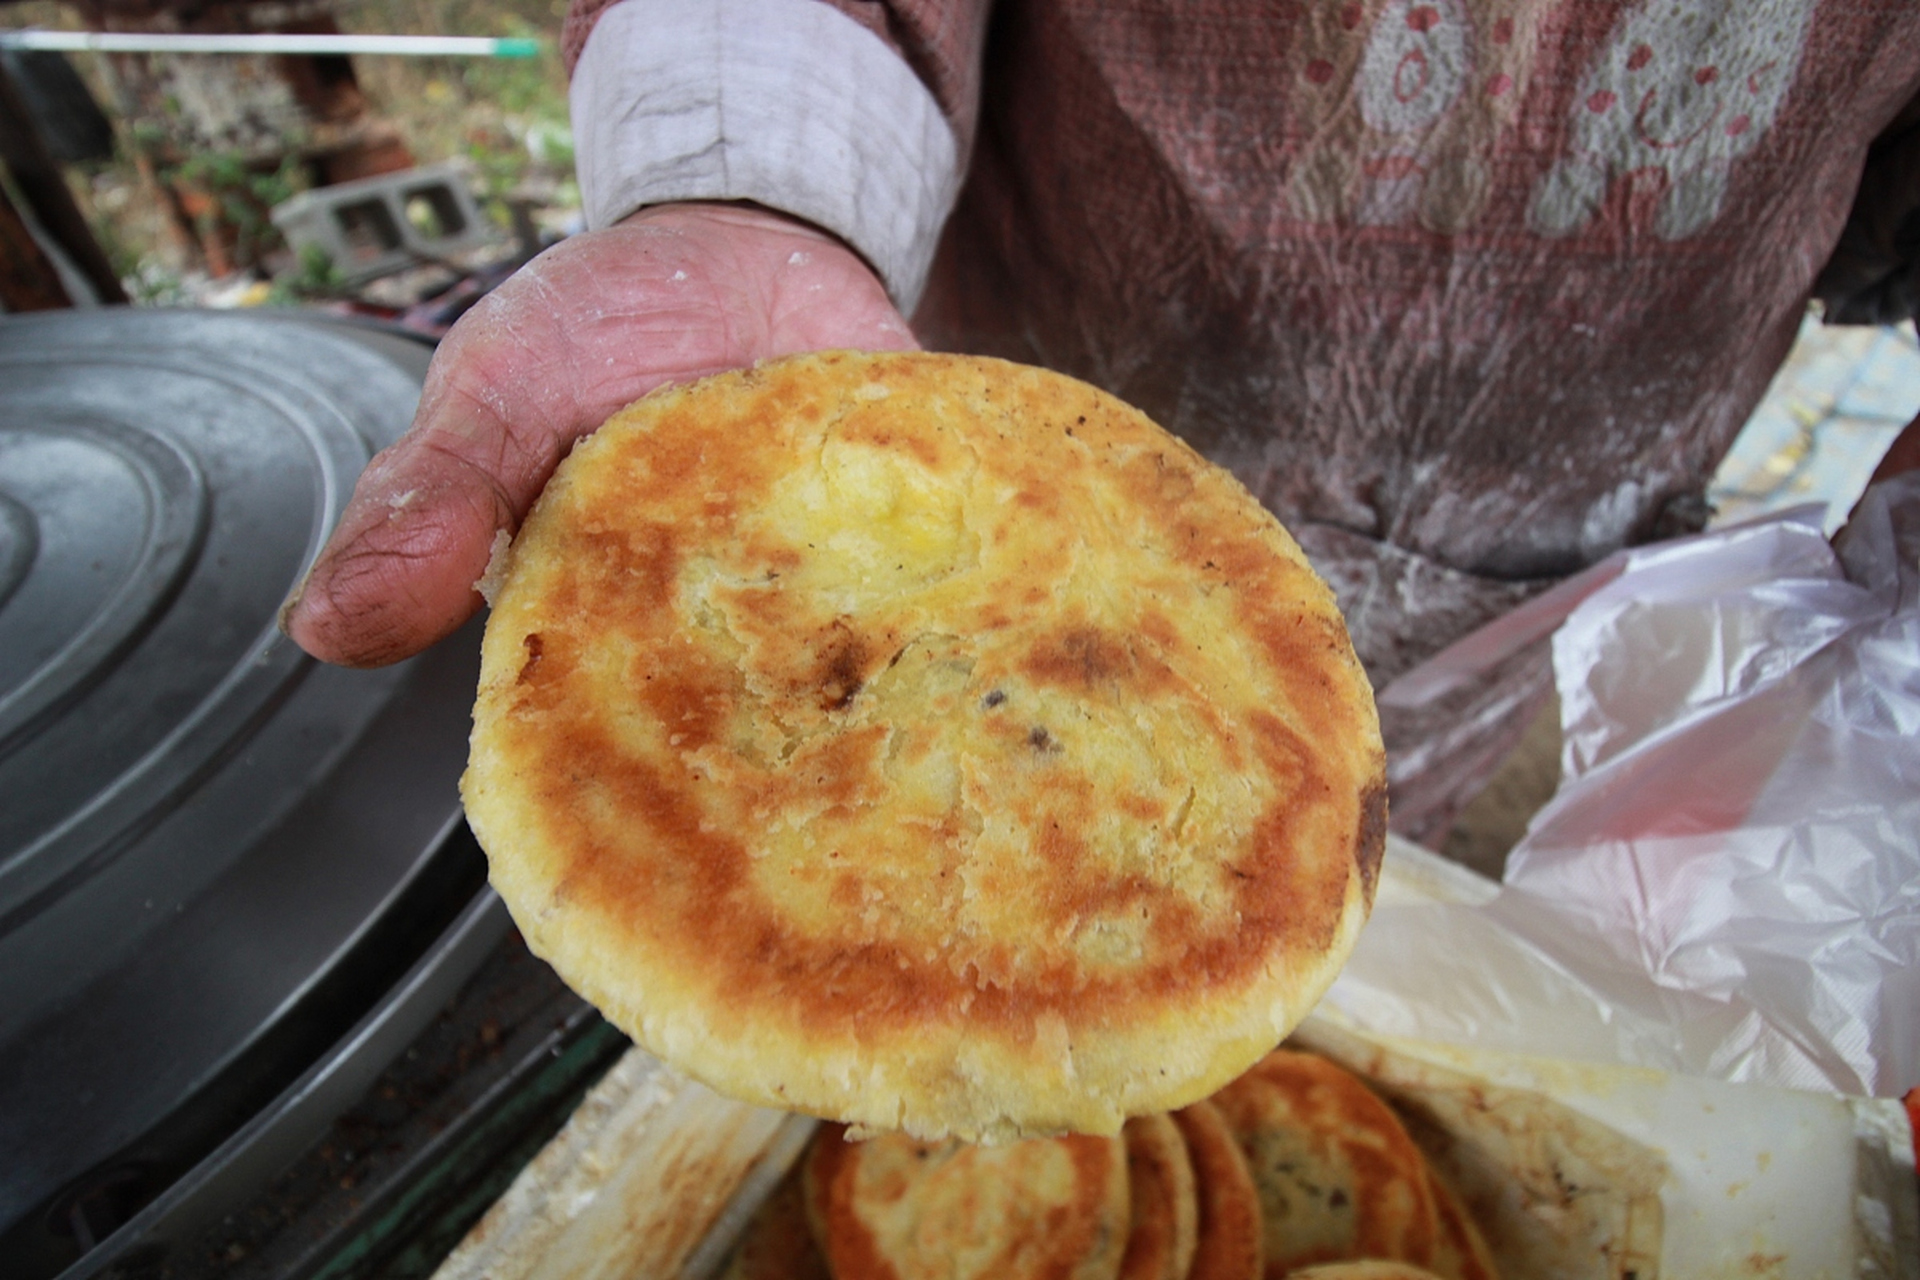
(165, 479)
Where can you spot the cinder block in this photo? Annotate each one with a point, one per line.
(375, 226)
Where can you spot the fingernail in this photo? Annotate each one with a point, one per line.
(292, 602)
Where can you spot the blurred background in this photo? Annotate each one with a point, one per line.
(365, 183)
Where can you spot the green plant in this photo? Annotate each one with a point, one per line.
(518, 86)
(243, 193)
(154, 284)
(315, 277)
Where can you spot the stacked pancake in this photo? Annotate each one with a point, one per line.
(928, 744)
(1296, 1169)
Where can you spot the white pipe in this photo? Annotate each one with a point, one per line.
(141, 42)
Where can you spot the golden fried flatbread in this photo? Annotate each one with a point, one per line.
(1338, 1177)
(1166, 1213)
(927, 743)
(897, 1208)
(778, 1242)
(1229, 1245)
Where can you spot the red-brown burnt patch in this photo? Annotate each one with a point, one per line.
(841, 667)
(1370, 842)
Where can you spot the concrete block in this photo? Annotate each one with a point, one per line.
(375, 226)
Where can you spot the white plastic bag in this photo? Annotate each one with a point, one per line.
(1738, 823)
(1728, 882)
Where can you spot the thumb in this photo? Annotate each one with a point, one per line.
(398, 574)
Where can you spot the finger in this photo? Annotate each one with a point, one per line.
(398, 574)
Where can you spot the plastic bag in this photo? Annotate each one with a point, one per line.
(1727, 883)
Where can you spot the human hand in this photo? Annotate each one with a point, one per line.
(672, 293)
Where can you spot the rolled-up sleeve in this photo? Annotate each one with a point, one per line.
(789, 103)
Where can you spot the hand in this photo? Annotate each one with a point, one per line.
(672, 293)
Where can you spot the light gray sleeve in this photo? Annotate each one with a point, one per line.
(789, 103)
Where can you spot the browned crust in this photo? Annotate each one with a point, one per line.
(1166, 1212)
(1229, 1245)
(632, 871)
(1364, 1269)
(1059, 1233)
(1356, 1151)
(707, 908)
(1370, 845)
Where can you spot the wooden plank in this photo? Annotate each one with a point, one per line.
(41, 186)
(28, 281)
